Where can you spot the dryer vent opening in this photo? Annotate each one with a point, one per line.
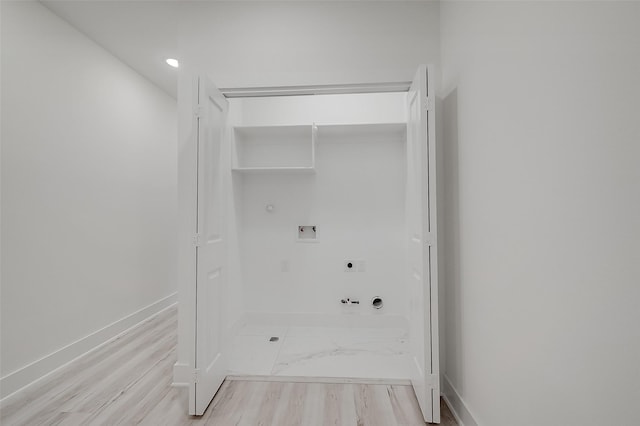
(376, 302)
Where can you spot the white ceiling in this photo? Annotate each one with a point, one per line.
(389, 39)
(142, 34)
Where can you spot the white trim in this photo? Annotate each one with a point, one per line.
(456, 404)
(16, 383)
(452, 410)
(181, 374)
(331, 89)
(305, 379)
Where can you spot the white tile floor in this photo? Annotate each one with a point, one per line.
(364, 353)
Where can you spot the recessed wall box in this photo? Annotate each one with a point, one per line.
(307, 233)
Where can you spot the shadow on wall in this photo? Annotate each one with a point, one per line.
(452, 305)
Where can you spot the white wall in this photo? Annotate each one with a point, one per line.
(256, 43)
(88, 189)
(356, 200)
(542, 196)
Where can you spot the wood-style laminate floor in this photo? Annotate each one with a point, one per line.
(128, 382)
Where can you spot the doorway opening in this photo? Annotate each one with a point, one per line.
(354, 175)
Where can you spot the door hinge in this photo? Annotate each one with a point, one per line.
(429, 103)
(196, 375)
(197, 240)
(429, 239)
(431, 381)
(199, 111)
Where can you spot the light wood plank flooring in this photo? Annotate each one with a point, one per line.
(128, 382)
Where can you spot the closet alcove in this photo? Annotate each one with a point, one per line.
(308, 250)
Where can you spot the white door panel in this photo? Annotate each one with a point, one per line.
(211, 248)
(422, 248)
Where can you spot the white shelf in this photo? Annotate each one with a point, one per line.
(291, 149)
(274, 149)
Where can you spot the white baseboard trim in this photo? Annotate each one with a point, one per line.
(456, 404)
(304, 379)
(16, 383)
(181, 372)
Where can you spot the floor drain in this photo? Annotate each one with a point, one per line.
(274, 339)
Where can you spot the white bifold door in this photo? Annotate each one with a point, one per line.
(210, 242)
(422, 241)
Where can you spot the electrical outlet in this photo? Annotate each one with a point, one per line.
(350, 266)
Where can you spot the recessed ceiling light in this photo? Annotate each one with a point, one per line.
(173, 62)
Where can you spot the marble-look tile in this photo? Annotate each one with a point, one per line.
(349, 332)
(317, 331)
(398, 336)
(263, 330)
(253, 355)
(343, 356)
(349, 352)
